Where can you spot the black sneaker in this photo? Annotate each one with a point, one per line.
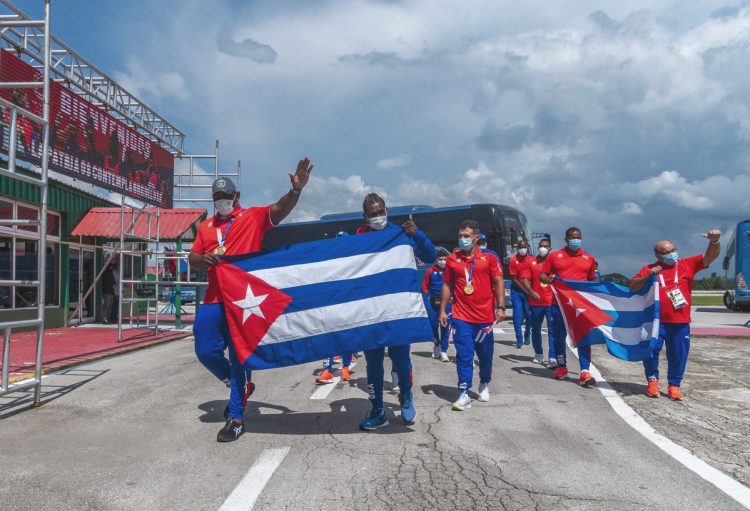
(226, 412)
(230, 432)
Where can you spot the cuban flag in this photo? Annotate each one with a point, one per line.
(607, 313)
(304, 302)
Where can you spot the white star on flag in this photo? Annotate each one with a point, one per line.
(250, 305)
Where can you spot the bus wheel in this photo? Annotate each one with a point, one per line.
(728, 301)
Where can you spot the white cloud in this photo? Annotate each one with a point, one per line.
(392, 163)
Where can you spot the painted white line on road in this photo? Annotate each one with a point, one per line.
(323, 390)
(245, 494)
(497, 330)
(722, 481)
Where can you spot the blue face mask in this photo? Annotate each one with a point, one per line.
(575, 244)
(670, 259)
(465, 243)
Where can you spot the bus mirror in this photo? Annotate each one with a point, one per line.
(725, 263)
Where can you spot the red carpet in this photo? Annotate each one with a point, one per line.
(65, 347)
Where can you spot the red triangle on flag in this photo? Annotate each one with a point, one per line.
(251, 306)
(581, 316)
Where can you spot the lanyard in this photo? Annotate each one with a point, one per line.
(469, 273)
(676, 278)
(221, 238)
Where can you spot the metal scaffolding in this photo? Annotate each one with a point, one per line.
(29, 38)
(194, 186)
(19, 23)
(128, 235)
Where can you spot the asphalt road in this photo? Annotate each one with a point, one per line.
(138, 432)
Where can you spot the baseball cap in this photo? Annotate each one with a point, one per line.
(482, 237)
(224, 185)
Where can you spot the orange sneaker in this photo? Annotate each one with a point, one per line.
(345, 373)
(586, 380)
(560, 373)
(674, 393)
(652, 390)
(324, 377)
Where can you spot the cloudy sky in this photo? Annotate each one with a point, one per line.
(628, 119)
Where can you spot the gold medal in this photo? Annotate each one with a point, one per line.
(468, 289)
(220, 250)
(543, 284)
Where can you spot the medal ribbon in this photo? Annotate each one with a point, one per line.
(221, 238)
(468, 274)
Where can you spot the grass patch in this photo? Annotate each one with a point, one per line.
(708, 300)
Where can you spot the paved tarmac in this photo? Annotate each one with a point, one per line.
(138, 432)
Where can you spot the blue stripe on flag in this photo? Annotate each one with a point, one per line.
(354, 340)
(630, 319)
(342, 291)
(321, 250)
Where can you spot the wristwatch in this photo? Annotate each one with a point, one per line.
(295, 191)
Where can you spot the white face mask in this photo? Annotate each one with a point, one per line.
(543, 251)
(441, 263)
(378, 222)
(522, 251)
(224, 206)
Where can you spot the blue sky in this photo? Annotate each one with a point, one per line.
(627, 119)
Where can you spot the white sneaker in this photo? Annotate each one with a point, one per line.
(552, 363)
(538, 359)
(436, 351)
(463, 403)
(444, 357)
(484, 392)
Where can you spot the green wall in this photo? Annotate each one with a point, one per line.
(72, 205)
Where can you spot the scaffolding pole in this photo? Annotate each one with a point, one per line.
(23, 22)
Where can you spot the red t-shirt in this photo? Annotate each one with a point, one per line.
(478, 307)
(534, 268)
(245, 236)
(517, 265)
(579, 266)
(684, 271)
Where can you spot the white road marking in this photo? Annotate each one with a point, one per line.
(323, 390)
(722, 481)
(498, 330)
(245, 494)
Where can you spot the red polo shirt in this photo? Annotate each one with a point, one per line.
(534, 268)
(245, 236)
(478, 307)
(517, 265)
(579, 266)
(684, 271)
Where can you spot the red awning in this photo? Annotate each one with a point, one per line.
(173, 223)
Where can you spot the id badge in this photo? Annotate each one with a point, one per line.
(677, 299)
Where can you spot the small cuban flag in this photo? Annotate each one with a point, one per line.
(304, 302)
(607, 313)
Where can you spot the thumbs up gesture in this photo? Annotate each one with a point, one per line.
(409, 227)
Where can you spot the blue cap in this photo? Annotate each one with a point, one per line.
(223, 184)
(482, 237)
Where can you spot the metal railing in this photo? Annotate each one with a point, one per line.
(14, 23)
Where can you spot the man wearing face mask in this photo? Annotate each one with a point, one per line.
(432, 287)
(521, 312)
(540, 300)
(569, 263)
(376, 215)
(232, 230)
(475, 279)
(675, 277)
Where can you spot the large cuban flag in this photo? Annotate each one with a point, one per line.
(308, 301)
(607, 313)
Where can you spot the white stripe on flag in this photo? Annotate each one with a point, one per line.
(628, 336)
(343, 316)
(615, 303)
(342, 268)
